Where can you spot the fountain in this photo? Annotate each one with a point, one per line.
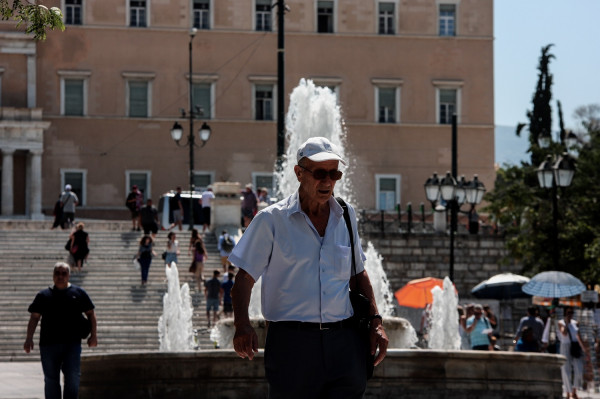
(415, 373)
(175, 333)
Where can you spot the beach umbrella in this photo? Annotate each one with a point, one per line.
(417, 293)
(501, 286)
(554, 284)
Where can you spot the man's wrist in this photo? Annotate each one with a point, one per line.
(375, 320)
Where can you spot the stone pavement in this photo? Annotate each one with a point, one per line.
(25, 380)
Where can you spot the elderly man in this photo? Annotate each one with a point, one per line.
(301, 247)
(63, 326)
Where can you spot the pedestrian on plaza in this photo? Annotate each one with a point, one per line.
(172, 249)
(200, 257)
(212, 292)
(68, 202)
(61, 308)
(177, 209)
(205, 202)
(572, 370)
(533, 322)
(149, 218)
(249, 205)
(58, 214)
(527, 341)
(301, 247)
(226, 287)
(194, 236)
(132, 204)
(225, 245)
(80, 241)
(144, 256)
(479, 328)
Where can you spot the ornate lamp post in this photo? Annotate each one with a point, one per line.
(204, 132)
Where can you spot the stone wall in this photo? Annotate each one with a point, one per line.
(408, 257)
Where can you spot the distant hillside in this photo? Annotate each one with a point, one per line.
(510, 149)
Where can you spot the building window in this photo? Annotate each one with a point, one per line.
(201, 93)
(447, 105)
(140, 178)
(77, 179)
(74, 97)
(325, 16)
(73, 12)
(138, 13)
(202, 180)
(388, 192)
(202, 14)
(138, 98)
(263, 102)
(447, 20)
(387, 104)
(386, 18)
(264, 180)
(263, 15)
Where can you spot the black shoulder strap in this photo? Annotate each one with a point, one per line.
(350, 233)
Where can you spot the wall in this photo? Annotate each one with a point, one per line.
(476, 258)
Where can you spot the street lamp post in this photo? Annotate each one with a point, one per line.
(455, 194)
(204, 132)
(552, 175)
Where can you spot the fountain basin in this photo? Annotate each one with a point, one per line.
(407, 373)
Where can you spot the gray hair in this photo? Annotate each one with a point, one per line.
(62, 265)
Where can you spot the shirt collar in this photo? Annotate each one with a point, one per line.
(294, 205)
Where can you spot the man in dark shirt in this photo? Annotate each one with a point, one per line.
(60, 309)
(212, 291)
(149, 216)
(177, 209)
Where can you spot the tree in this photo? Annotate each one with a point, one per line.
(525, 211)
(37, 17)
(540, 118)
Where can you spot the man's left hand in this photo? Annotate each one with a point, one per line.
(92, 341)
(379, 340)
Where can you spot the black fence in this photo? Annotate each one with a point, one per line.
(415, 221)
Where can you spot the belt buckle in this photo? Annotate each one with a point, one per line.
(321, 328)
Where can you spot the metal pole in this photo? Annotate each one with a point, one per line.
(280, 82)
(453, 204)
(556, 248)
(191, 139)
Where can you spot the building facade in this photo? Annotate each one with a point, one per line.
(97, 101)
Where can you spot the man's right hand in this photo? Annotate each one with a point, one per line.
(245, 341)
(28, 345)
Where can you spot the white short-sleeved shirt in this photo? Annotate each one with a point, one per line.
(305, 277)
(207, 197)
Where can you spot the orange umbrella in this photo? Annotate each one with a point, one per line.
(417, 293)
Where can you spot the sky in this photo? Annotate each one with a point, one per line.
(521, 29)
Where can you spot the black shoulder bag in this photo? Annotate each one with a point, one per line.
(360, 303)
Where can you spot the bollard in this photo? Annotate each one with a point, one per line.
(410, 216)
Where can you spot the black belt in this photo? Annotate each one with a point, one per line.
(303, 325)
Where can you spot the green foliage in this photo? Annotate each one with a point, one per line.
(37, 17)
(524, 211)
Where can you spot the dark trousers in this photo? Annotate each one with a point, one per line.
(145, 266)
(65, 358)
(314, 364)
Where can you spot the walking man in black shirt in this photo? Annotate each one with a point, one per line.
(63, 327)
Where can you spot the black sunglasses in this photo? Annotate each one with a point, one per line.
(321, 174)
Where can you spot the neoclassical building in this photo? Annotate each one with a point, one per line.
(93, 106)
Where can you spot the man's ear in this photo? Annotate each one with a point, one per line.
(297, 171)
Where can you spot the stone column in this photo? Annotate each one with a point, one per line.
(7, 182)
(35, 185)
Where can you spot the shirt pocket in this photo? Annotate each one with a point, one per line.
(342, 262)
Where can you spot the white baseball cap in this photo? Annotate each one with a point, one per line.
(319, 149)
(68, 187)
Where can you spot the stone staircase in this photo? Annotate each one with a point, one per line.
(127, 313)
